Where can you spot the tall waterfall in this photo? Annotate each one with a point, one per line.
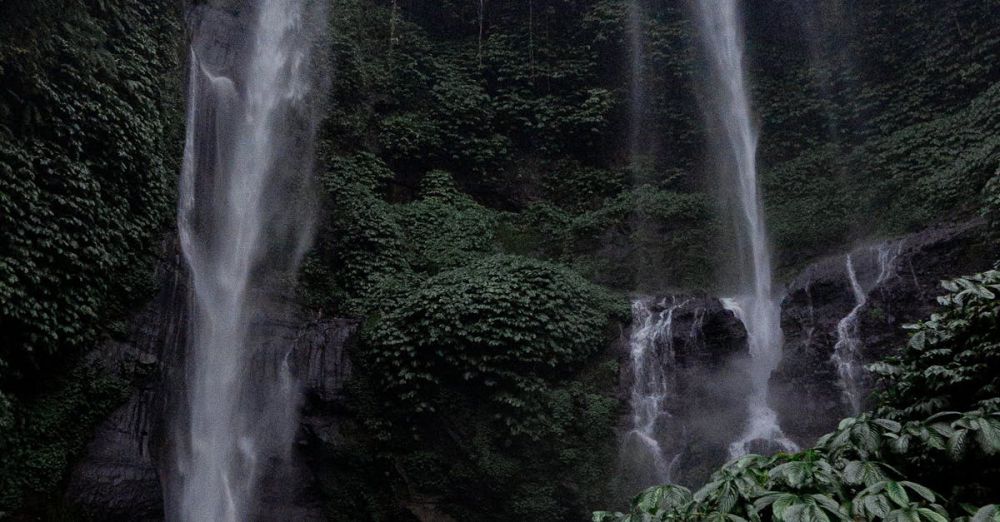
(759, 309)
(847, 350)
(651, 349)
(245, 218)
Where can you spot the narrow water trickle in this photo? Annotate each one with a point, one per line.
(245, 218)
(847, 350)
(758, 309)
(651, 351)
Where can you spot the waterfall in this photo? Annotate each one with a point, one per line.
(637, 86)
(759, 310)
(847, 350)
(651, 349)
(245, 218)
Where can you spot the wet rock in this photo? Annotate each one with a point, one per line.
(764, 447)
(806, 389)
(225, 45)
(117, 478)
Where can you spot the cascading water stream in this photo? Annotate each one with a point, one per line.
(651, 353)
(244, 219)
(759, 310)
(847, 350)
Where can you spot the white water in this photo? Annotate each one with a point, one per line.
(847, 350)
(764, 340)
(651, 349)
(759, 310)
(244, 221)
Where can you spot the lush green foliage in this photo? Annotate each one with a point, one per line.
(462, 461)
(89, 114)
(499, 328)
(445, 228)
(532, 124)
(371, 251)
(847, 476)
(952, 361)
(951, 364)
(991, 204)
(89, 147)
(473, 374)
(641, 229)
(534, 117)
(851, 127)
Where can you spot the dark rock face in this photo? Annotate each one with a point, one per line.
(117, 479)
(226, 46)
(806, 389)
(319, 360)
(126, 465)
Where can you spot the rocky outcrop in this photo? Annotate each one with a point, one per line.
(123, 470)
(899, 279)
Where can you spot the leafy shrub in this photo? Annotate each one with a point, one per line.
(498, 328)
(360, 249)
(991, 203)
(370, 251)
(445, 228)
(950, 364)
(579, 188)
(662, 238)
(460, 461)
(952, 361)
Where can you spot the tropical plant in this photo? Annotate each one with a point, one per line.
(952, 360)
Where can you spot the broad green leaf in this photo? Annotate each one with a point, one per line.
(897, 493)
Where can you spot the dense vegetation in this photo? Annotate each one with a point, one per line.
(495, 179)
(89, 149)
(930, 452)
(883, 110)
